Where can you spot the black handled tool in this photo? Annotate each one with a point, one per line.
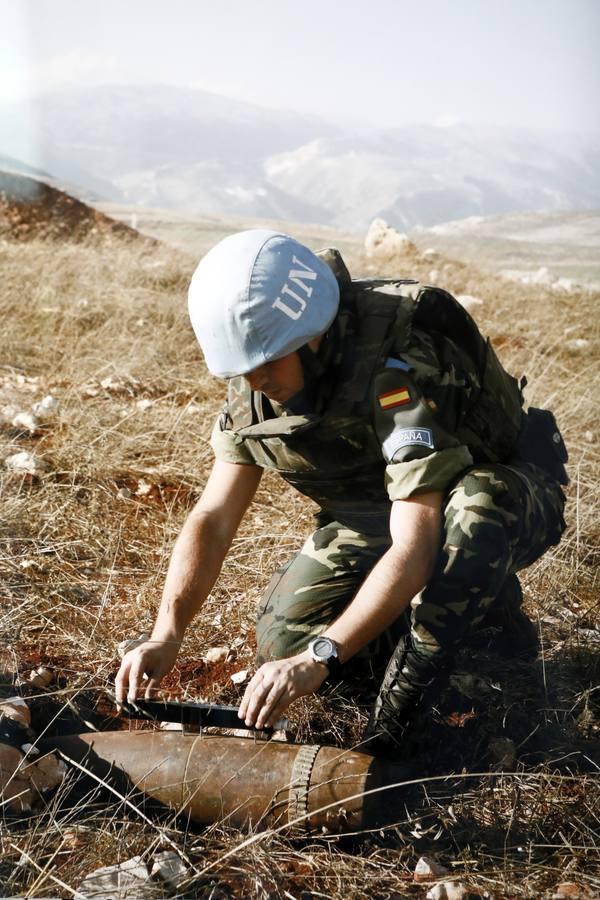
(205, 715)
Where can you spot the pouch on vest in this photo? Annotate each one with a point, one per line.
(541, 443)
(492, 423)
(495, 418)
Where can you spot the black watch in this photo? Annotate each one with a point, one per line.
(324, 650)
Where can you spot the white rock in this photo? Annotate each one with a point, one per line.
(30, 750)
(434, 276)
(28, 382)
(384, 241)
(450, 890)
(111, 384)
(171, 726)
(26, 463)
(143, 489)
(239, 677)
(26, 422)
(578, 344)
(46, 408)
(468, 302)
(430, 253)
(428, 868)
(170, 868)
(145, 403)
(129, 880)
(216, 654)
(589, 436)
(41, 677)
(7, 413)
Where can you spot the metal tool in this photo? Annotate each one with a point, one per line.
(203, 715)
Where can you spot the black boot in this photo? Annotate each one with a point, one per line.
(412, 680)
(519, 634)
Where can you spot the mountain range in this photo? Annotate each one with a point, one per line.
(207, 154)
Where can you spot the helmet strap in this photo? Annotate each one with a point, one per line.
(312, 365)
(303, 402)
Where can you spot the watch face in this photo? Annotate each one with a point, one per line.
(323, 648)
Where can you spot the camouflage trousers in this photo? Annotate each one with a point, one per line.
(497, 519)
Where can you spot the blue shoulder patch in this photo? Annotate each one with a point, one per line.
(392, 363)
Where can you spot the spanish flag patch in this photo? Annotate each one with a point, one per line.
(399, 397)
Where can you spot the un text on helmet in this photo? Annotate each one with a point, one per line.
(296, 304)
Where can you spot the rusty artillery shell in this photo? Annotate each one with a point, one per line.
(241, 782)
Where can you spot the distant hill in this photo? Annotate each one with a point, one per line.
(206, 154)
(427, 175)
(30, 208)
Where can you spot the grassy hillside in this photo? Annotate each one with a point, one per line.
(102, 326)
(566, 243)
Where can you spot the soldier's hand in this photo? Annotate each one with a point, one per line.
(276, 684)
(149, 663)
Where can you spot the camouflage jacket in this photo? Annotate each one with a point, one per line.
(411, 396)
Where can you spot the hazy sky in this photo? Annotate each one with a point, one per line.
(389, 62)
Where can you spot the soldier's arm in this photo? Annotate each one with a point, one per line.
(415, 527)
(195, 563)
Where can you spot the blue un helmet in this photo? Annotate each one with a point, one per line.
(257, 296)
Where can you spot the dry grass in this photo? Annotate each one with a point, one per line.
(82, 569)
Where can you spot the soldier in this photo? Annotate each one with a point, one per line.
(381, 401)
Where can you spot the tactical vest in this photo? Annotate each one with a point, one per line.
(333, 454)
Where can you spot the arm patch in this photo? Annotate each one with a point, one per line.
(404, 422)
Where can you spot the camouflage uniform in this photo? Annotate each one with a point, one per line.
(410, 399)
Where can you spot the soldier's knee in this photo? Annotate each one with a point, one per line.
(274, 640)
(481, 496)
(481, 519)
(487, 485)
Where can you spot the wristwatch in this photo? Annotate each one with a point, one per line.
(324, 650)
